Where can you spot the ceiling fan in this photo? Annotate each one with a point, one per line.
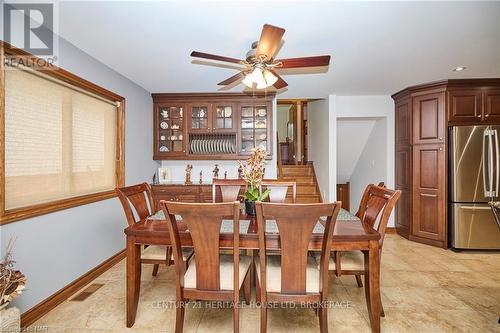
(260, 66)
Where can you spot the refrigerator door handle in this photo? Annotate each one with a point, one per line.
(497, 164)
(490, 162)
(483, 163)
(475, 208)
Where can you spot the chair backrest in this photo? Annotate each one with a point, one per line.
(296, 223)
(230, 188)
(279, 189)
(203, 220)
(377, 204)
(138, 198)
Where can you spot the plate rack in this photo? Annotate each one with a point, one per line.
(212, 144)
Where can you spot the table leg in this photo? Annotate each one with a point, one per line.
(372, 285)
(133, 279)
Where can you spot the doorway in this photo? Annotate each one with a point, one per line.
(361, 156)
(292, 131)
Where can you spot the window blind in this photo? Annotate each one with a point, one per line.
(59, 142)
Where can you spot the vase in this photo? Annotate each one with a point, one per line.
(10, 320)
(250, 207)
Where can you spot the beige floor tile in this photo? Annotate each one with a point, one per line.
(424, 289)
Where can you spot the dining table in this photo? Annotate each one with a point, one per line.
(349, 234)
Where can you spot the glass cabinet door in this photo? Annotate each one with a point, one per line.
(171, 134)
(199, 118)
(223, 117)
(254, 128)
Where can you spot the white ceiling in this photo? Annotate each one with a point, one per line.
(376, 48)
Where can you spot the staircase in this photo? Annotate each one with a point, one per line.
(307, 188)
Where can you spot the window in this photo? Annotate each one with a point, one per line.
(63, 139)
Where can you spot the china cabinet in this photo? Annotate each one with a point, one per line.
(211, 125)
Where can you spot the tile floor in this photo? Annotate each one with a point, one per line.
(424, 289)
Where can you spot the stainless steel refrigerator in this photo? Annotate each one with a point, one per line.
(474, 181)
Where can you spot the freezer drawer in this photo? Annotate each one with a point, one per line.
(474, 227)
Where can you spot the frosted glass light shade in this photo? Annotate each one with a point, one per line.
(261, 78)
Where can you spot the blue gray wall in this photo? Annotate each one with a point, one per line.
(54, 249)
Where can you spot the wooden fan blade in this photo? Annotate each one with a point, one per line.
(215, 57)
(232, 79)
(304, 62)
(269, 41)
(280, 83)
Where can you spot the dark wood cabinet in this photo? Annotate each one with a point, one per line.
(423, 114)
(186, 193)
(403, 183)
(465, 105)
(429, 193)
(403, 136)
(492, 105)
(428, 118)
(476, 105)
(169, 130)
(403, 122)
(211, 126)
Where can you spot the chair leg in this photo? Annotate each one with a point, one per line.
(358, 280)
(247, 288)
(155, 269)
(169, 256)
(257, 289)
(236, 318)
(263, 318)
(179, 317)
(323, 319)
(382, 313)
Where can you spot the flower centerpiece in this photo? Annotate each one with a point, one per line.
(253, 173)
(12, 282)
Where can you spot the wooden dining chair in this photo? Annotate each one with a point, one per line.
(210, 275)
(279, 189)
(230, 189)
(138, 204)
(376, 205)
(294, 276)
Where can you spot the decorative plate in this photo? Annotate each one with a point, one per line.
(163, 149)
(164, 125)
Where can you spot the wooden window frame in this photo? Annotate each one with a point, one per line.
(12, 215)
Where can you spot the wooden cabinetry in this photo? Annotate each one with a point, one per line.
(403, 135)
(492, 104)
(185, 193)
(169, 129)
(211, 126)
(474, 105)
(428, 118)
(423, 115)
(212, 117)
(429, 193)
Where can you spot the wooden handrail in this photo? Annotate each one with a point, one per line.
(278, 155)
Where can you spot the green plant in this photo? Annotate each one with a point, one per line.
(255, 194)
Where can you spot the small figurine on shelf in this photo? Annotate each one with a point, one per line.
(189, 169)
(216, 172)
(201, 177)
(240, 172)
(225, 174)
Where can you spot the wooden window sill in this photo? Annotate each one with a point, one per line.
(22, 213)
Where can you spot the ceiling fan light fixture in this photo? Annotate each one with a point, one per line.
(248, 80)
(262, 78)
